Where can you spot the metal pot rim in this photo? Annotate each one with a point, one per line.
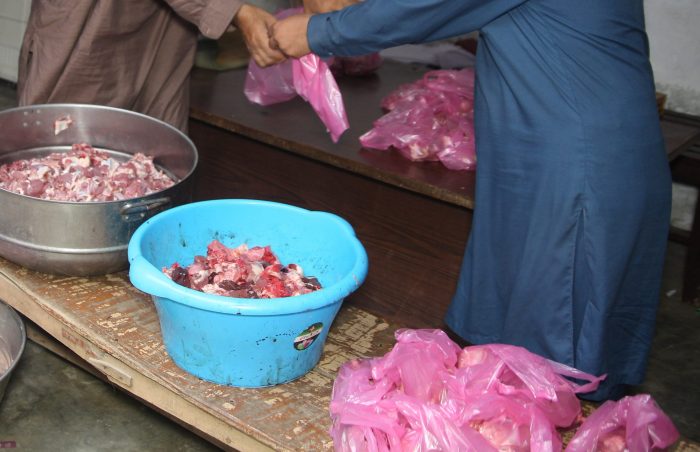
(115, 109)
(23, 332)
(98, 203)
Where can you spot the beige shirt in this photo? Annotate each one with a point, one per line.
(132, 54)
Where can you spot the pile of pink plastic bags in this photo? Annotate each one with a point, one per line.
(428, 394)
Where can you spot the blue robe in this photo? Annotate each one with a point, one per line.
(573, 187)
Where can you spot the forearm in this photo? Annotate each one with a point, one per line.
(212, 17)
(373, 25)
(325, 6)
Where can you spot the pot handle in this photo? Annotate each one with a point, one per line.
(140, 208)
(149, 279)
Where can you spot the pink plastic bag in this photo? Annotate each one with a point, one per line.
(270, 85)
(314, 82)
(511, 424)
(273, 84)
(309, 77)
(633, 423)
(515, 372)
(391, 403)
(427, 394)
(429, 120)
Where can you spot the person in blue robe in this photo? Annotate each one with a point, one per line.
(573, 188)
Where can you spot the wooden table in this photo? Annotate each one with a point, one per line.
(681, 132)
(217, 99)
(114, 328)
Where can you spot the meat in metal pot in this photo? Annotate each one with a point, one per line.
(85, 238)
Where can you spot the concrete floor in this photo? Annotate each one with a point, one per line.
(52, 405)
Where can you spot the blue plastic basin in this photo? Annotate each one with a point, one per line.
(238, 341)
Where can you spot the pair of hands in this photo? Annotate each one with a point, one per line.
(270, 41)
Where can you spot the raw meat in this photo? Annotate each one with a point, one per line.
(83, 174)
(429, 120)
(61, 124)
(355, 66)
(242, 272)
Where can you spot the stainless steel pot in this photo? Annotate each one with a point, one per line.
(13, 337)
(85, 238)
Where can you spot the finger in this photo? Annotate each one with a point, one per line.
(268, 58)
(277, 56)
(272, 30)
(271, 47)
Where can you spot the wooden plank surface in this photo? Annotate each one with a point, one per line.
(680, 133)
(115, 328)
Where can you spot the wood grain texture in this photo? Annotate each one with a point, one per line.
(115, 327)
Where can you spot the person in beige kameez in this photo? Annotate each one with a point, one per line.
(131, 54)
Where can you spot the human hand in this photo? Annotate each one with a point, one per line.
(254, 24)
(325, 6)
(289, 35)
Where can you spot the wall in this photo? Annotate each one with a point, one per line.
(13, 17)
(674, 35)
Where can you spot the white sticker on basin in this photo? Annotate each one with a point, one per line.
(308, 336)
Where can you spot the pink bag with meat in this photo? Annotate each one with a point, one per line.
(427, 394)
(392, 403)
(308, 77)
(634, 423)
(517, 373)
(429, 120)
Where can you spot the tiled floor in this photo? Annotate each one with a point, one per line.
(52, 405)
